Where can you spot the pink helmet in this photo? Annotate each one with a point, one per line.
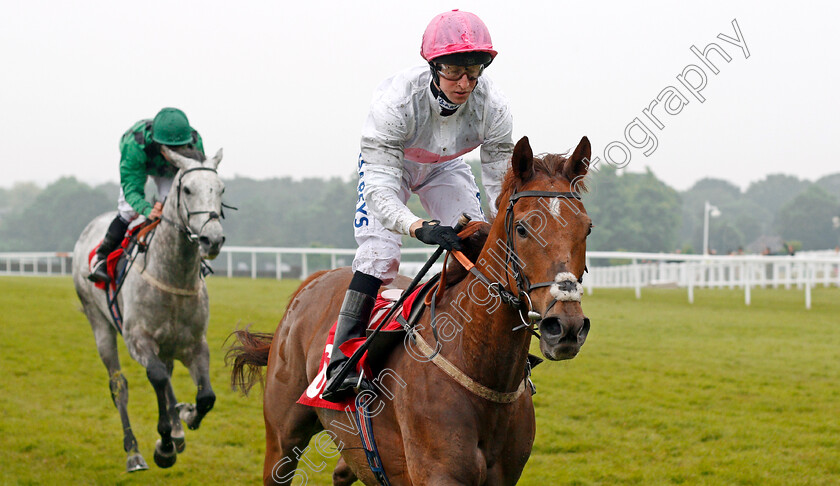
(456, 32)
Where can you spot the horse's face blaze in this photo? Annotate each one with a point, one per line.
(549, 237)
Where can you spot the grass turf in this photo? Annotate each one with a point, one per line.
(663, 392)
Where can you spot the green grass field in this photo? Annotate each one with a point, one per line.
(663, 392)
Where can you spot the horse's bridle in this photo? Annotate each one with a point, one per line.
(523, 288)
(184, 226)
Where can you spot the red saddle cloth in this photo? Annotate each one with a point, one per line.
(312, 395)
(114, 257)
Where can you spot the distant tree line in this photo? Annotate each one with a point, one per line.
(631, 211)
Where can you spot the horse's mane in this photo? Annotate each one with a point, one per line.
(190, 152)
(551, 165)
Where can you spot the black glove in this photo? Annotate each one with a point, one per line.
(434, 233)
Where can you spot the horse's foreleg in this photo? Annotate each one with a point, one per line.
(199, 368)
(165, 453)
(171, 409)
(106, 343)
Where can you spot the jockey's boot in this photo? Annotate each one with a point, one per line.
(353, 319)
(113, 237)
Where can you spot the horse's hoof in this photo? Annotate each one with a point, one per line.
(180, 444)
(136, 462)
(164, 459)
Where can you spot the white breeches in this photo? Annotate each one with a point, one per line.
(446, 190)
(164, 184)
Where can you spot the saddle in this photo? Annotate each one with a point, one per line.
(118, 264)
(390, 336)
(117, 259)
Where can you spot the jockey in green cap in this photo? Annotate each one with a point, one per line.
(140, 158)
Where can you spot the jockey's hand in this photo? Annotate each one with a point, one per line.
(434, 233)
(157, 210)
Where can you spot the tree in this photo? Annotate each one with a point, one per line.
(718, 192)
(724, 236)
(774, 191)
(18, 197)
(284, 212)
(632, 211)
(808, 218)
(830, 183)
(55, 219)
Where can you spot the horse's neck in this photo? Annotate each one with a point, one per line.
(489, 350)
(172, 257)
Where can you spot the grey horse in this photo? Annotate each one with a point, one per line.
(164, 304)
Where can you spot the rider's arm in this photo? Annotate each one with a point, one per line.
(133, 177)
(496, 149)
(383, 139)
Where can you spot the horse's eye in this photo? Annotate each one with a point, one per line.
(521, 231)
(187, 190)
(590, 230)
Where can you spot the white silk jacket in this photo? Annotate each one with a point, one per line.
(404, 131)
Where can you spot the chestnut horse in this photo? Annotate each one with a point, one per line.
(467, 417)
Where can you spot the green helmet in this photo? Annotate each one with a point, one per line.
(171, 127)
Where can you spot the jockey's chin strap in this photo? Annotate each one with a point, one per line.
(212, 215)
(521, 295)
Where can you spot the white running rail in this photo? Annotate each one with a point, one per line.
(606, 269)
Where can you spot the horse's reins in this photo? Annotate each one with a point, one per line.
(183, 227)
(357, 355)
(515, 300)
(523, 285)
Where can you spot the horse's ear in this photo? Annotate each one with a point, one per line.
(522, 160)
(216, 160)
(175, 158)
(577, 165)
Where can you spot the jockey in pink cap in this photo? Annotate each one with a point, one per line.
(421, 123)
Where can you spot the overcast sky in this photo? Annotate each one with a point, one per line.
(284, 86)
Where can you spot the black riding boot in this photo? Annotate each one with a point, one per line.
(353, 319)
(113, 237)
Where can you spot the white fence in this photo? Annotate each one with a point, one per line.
(35, 263)
(606, 269)
(234, 261)
(638, 270)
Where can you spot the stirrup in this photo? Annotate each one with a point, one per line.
(99, 272)
(351, 383)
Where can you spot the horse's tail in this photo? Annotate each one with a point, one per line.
(247, 359)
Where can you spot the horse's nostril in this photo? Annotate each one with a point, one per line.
(204, 241)
(551, 326)
(584, 330)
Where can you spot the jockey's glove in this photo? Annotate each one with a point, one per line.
(434, 233)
